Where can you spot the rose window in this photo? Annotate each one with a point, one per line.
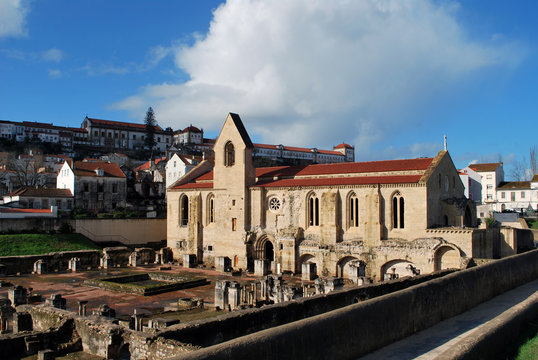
(274, 204)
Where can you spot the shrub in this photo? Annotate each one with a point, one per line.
(491, 222)
(66, 228)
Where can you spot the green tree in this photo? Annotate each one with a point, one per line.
(151, 123)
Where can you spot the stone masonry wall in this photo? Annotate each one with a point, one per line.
(356, 330)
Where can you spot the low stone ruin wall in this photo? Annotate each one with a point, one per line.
(89, 259)
(236, 324)
(358, 329)
(55, 261)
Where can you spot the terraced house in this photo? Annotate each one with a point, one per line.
(392, 218)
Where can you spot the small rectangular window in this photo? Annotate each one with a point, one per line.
(234, 224)
(523, 194)
(233, 202)
(503, 195)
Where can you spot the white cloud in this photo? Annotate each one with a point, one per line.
(55, 73)
(55, 55)
(12, 18)
(51, 55)
(315, 72)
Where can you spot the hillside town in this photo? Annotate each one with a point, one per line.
(253, 179)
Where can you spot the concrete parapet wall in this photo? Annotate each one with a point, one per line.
(358, 329)
(236, 324)
(129, 232)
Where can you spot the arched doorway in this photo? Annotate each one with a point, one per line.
(269, 251)
(342, 267)
(304, 259)
(447, 257)
(396, 269)
(264, 249)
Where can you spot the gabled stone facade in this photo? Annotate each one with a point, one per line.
(333, 215)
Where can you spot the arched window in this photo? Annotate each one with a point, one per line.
(353, 210)
(398, 211)
(183, 210)
(229, 154)
(313, 210)
(211, 209)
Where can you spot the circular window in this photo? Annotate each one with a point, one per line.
(274, 204)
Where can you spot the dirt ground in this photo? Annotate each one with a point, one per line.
(71, 286)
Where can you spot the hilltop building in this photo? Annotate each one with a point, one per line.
(395, 218)
(117, 135)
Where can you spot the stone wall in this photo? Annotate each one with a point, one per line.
(55, 261)
(358, 329)
(28, 224)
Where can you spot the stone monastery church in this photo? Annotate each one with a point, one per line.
(381, 218)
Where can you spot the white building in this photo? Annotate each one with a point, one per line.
(472, 181)
(188, 136)
(518, 195)
(96, 186)
(113, 135)
(177, 166)
(492, 175)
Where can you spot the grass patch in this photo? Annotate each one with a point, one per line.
(533, 223)
(529, 348)
(36, 244)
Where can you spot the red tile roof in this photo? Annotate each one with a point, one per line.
(32, 191)
(88, 169)
(484, 167)
(534, 178)
(195, 186)
(146, 165)
(356, 180)
(139, 127)
(11, 210)
(298, 175)
(192, 129)
(513, 185)
(296, 149)
(343, 145)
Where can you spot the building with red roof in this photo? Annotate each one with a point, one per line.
(97, 186)
(375, 219)
(118, 135)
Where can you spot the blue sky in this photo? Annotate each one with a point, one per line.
(390, 77)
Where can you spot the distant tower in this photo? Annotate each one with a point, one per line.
(445, 143)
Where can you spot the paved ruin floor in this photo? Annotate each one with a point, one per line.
(71, 287)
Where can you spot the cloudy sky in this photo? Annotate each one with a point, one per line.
(389, 77)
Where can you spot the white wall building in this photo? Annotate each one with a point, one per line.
(177, 166)
(472, 181)
(492, 175)
(518, 195)
(122, 135)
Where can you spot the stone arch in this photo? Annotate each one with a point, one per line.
(229, 154)
(342, 266)
(305, 259)
(183, 210)
(312, 207)
(447, 257)
(397, 268)
(210, 211)
(397, 210)
(352, 209)
(264, 249)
